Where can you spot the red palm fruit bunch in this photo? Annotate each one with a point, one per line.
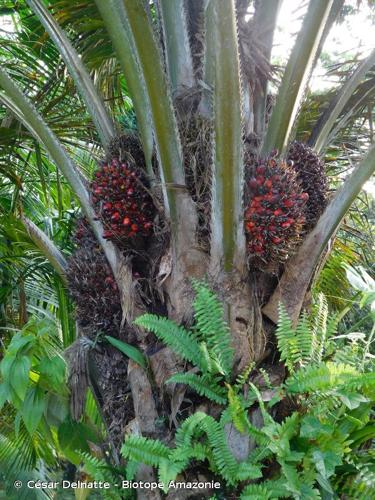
(94, 291)
(274, 217)
(311, 174)
(122, 201)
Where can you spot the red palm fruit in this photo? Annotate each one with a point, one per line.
(134, 227)
(126, 221)
(272, 162)
(288, 203)
(272, 217)
(304, 196)
(115, 216)
(107, 206)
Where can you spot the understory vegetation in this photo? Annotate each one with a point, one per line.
(187, 224)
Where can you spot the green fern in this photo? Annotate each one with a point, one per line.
(321, 378)
(200, 437)
(99, 471)
(211, 326)
(178, 338)
(240, 419)
(257, 492)
(147, 451)
(225, 462)
(204, 385)
(207, 347)
(243, 377)
(309, 340)
(287, 340)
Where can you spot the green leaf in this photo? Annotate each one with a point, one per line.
(202, 384)
(144, 450)
(311, 428)
(177, 337)
(33, 408)
(326, 462)
(73, 437)
(20, 343)
(19, 375)
(57, 409)
(129, 351)
(53, 369)
(4, 394)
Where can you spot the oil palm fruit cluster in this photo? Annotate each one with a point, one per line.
(84, 235)
(122, 201)
(274, 216)
(92, 286)
(311, 175)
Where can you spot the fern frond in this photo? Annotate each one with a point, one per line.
(188, 428)
(224, 460)
(243, 377)
(248, 471)
(211, 326)
(322, 378)
(240, 419)
(237, 411)
(177, 337)
(256, 492)
(204, 385)
(303, 339)
(147, 451)
(362, 381)
(319, 328)
(285, 338)
(98, 470)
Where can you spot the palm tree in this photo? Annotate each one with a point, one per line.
(197, 76)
